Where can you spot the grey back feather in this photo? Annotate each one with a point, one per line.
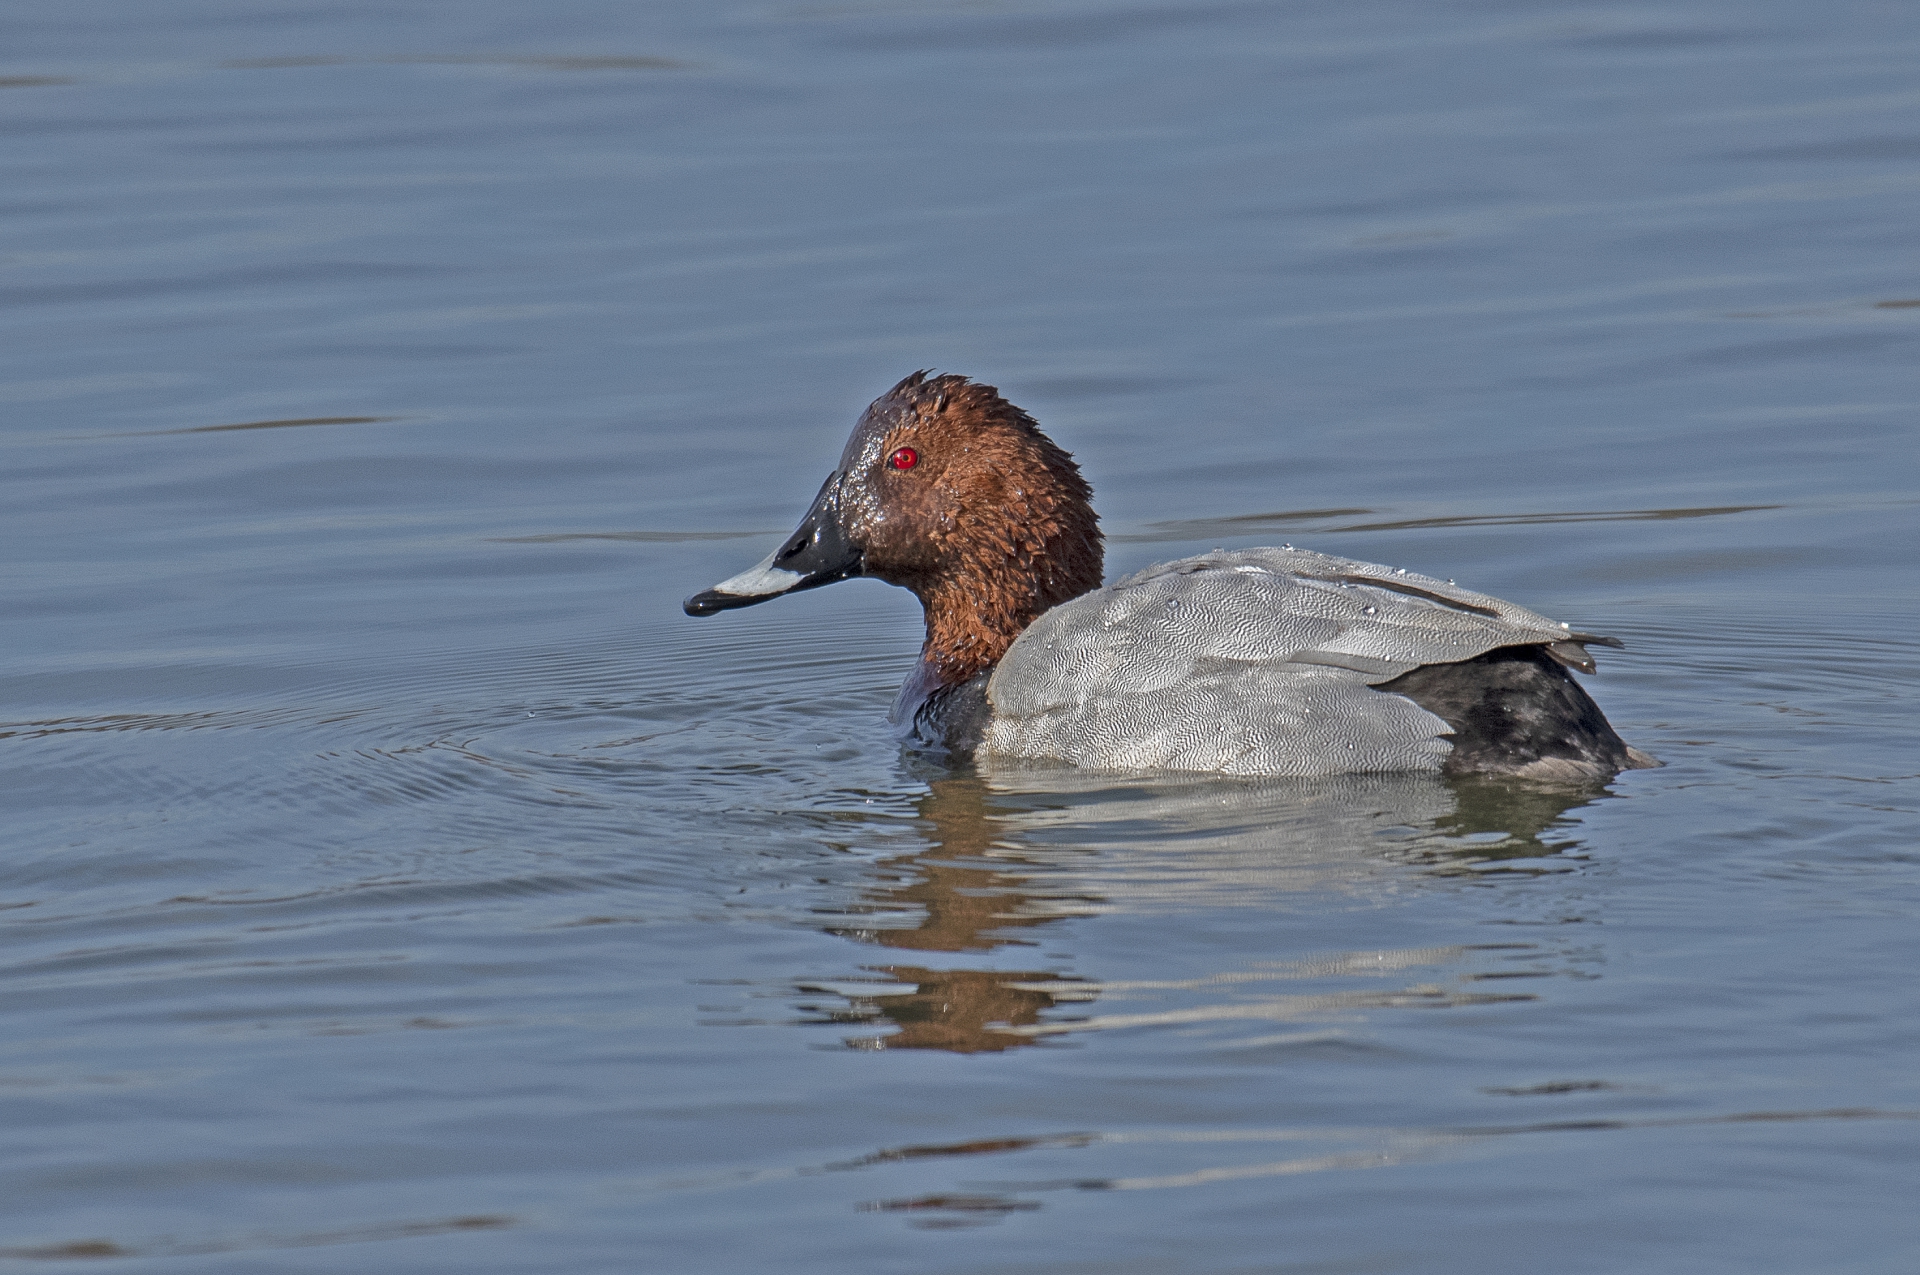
(1253, 662)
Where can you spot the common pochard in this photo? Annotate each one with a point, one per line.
(1252, 661)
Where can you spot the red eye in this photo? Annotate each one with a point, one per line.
(904, 458)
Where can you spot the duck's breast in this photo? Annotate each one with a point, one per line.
(1258, 661)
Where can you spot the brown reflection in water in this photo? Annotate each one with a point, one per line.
(966, 900)
(966, 903)
(961, 1011)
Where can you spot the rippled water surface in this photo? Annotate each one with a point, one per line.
(395, 880)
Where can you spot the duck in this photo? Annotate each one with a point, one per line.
(1270, 661)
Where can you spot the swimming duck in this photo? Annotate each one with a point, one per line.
(1271, 661)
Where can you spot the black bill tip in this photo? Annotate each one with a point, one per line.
(713, 602)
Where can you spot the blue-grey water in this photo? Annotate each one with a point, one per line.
(395, 880)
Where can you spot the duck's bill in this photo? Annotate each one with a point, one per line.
(817, 553)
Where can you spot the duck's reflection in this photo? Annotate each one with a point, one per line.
(1013, 850)
(961, 1011)
(967, 894)
(966, 886)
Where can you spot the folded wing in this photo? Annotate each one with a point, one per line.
(1258, 661)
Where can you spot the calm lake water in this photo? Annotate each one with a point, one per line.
(395, 880)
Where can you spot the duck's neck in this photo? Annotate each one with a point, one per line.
(968, 630)
(943, 703)
(974, 616)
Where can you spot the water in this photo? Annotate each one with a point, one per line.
(396, 880)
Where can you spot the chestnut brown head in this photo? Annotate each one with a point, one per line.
(947, 489)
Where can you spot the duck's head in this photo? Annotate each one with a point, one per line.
(949, 490)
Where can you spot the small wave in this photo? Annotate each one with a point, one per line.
(1254, 524)
(538, 62)
(93, 1249)
(645, 537)
(290, 423)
